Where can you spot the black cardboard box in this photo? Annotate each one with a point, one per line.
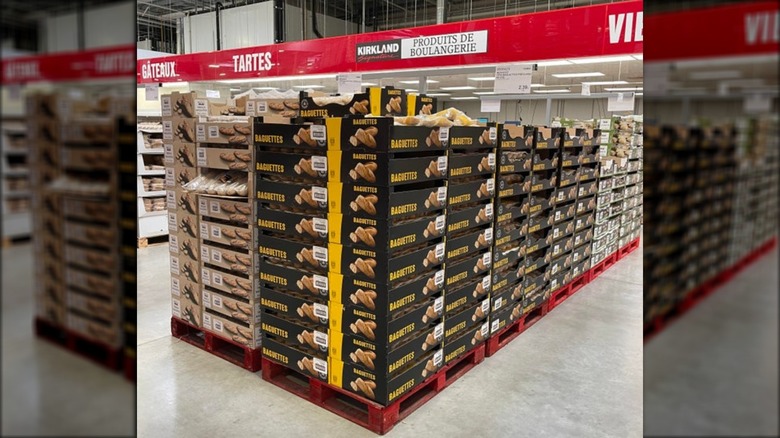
(385, 202)
(306, 226)
(379, 134)
(560, 264)
(293, 333)
(369, 233)
(465, 269)
(534, 300)
(587, 173)
(541, 201)
(561, 246)
(375, 327)
(537, 260)
(583, 237)
(580, 268)
(303, 255)
(510, 211)
(548, 138)
(584, 221)
(379, 388)
(461, 193)
(307, 310)
(510, 234)
(509, 276)
(566, 194)
(587, 189)
(564, 213)
(387, 101)
(465, 294)
(541, 221)
(514, 137)
(470, 242)
(458, 323)
(560, 280)
(297, 136)
(304, 362)
(504, 318)
(288, 195)
(585, 205)
(393, 298)
(292, 165)
(371, 264)
(507, 257)
(544, 159)
(473, 137)
(384, 169)
(568, 177)
(535, 281)
(504, 298)
(420, 104)
(580, 253)
(471, 164)
(285, 278)
(514, 185)
(562, 230)
(569, 159)
(468, 340)
(514, 162)
(318, 106)
(469, 217)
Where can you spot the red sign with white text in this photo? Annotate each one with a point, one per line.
(747, 28)
(112, 62)
(606, 29)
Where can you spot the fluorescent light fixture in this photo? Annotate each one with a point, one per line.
(279, 79)
(639, 94)
(639, 57)
(606, 83)
(367, 84)
(483, 78)
(438, 94)
(624, 89)
(562, 90)
(603, 59)
(484, 92)
(214, 65)
(459, 88)
(465, 98)
(417, 81)
(537, 85)
(578, 75)
(309, 86)
(717, 74)
(552, 63)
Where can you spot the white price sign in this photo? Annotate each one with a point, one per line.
(152, 91)
(757, 103)
(513, 79)
(490, 105)
(585, 89)
(212, 94)
(349, 82)
(621, 102)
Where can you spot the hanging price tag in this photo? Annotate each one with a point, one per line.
(349, 82)
(490, 106)
(152, 91)
(513, 79)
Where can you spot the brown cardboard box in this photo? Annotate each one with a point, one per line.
(245, 334)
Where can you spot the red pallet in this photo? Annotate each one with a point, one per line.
(602, 266)
(579, 282)
(629, 248)
(699, 293)
(233, 352)
(362, 411)
(559, 296)
(499, 340)
(129, 368)
(96, 351)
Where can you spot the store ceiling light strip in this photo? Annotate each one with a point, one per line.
(601, 59)
(465, 98)
(606, 83)
(578, 75)
(552, 91)
(483, 78)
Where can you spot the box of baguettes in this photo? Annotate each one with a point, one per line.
(380, 134)
(380, 388)
(371, 264)
(385, 169)
(420, 104)
(387, 202)
(305, 362)
(387, 101)
(457, 323)
(319, 105)
(466, 294)
(468, 340)
(249, 335)
(308, 310)
(384, 235)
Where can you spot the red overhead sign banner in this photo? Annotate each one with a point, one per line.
(747, 28)
(112, 62)
(599, 30)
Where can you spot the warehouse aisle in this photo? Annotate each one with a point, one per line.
(719, 362)
(577, 373)
(46, 389)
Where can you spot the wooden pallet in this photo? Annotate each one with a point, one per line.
(233, 352)
(364, 412)
(144, 242)
(98, 352)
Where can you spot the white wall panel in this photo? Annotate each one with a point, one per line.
(112, 25)
(59, 33)
(200, 33)
(247, 26)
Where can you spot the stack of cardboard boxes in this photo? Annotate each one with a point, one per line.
(511, 224)
(44, 134)
(585, 205)
(470, 235)
(179, 114)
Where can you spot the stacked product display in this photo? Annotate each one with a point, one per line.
(711, 205)
(618, 193)
(386, 242)
(15, 166)
(178, 127)
(80, 302)
(151, 178)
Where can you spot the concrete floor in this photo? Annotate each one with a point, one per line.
(714, 372)
(576, 373)
(47, 390)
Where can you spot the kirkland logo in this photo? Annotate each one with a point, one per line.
(378, 51)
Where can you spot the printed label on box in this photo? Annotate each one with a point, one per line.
(320, 339)
(320, 225)
(319, 163)
(167, 130)
(200, 133)
(320, 311)
(202, 157)
(320, 254)
(205, 276)
(441, 194)
(318, 133)
(444, 133)
(441, 164)
(175, 265)
(440, 223)
(175, 286)
(201, 107)
(319, 194)
(320, 282)
(320, 365)
(217, 279)
(168, 154)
